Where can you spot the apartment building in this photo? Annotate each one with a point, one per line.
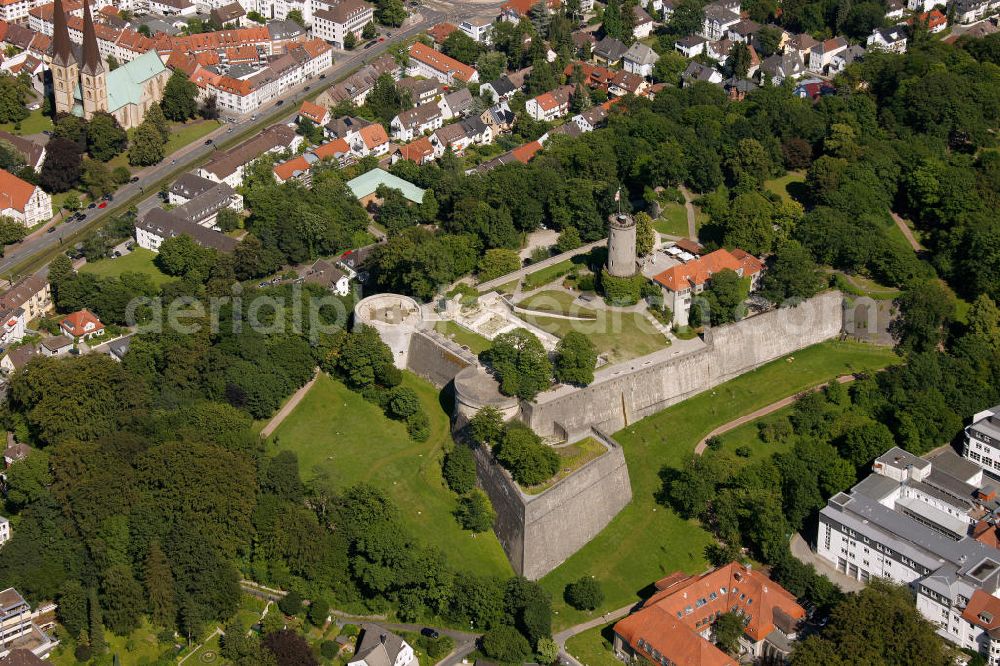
(982, 441)
(426, 62)
(18, 629)
(930, 523)
(333, 23)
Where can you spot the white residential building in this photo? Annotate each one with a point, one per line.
(479, 29)
(5, 531)
(378, 646)
(888, 39)
(550, 105)
(335, 22)
(22, 201)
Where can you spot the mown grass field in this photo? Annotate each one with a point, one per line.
(594, 647)
(791, 186)
(463, 336)
(647, 541)
(140, 260)
(33, 124)
(619, 335)
(560, 302)
(340, 436)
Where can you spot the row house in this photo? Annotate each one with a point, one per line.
(501, 90)
(626, 83)
(411, 123)
(851, 54)
(421, 90)
(364, 137)
(40, 16)
(592, 118)
(550, 105)
(355, 88)
(158, 225)
(335, 22)
(743, 31)
(425, 61)
(228, 166)
(316, 114)
(32, 294)
(457, 104)
(300, 167)
(690, 46)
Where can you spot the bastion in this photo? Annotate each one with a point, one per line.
(395, 317)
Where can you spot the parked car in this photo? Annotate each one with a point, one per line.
(103, 204)
(208, 142)
(279, 102)
(229, 131)
(134, 179)
(50, 230)
(429, 633)
(92, 205)
(322, 76)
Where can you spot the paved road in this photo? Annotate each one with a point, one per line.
(484, 287)
(564, 635)
(194, 154)
(763, 411)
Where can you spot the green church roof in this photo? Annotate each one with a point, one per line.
(125, 83)
(367, 183)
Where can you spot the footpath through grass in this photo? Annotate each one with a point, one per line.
(340, 436)
(647, 541)
(594, 647)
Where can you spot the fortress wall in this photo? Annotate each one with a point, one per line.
(566, 517)
(436, 358)
(508, 504)
(659, 381)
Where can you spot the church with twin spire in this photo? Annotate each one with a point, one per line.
(83, 84)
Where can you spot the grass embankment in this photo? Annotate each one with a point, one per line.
(559, 302)
(572, 457)
(463, 336)
(618, 335)
(339, 435)
(647, 541)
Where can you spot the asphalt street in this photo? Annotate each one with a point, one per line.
(19, 257)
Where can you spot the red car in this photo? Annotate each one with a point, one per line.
(103, 204)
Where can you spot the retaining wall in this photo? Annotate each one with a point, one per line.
(538, 532)
(627, 392)
(436, 358)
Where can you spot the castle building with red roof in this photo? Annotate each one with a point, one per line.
(674, 627)
(691, 275)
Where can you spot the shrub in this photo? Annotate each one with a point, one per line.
(475, 512)
(82, 653)
(403, 403)
(319, 610)
(506, 644)
(291, 603)
(714, 443)
(419, 426)
(527, 459)
(329, 649)
(621, 291)
(586, 282)
(435, 648)
(349, 630)
(459, 469)
(744, 451)
(584, 594)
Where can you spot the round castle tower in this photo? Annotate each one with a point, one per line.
(621, 246)
(395, 317)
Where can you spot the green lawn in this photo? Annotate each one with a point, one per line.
(619, 335)
(336, 433)
(560, 302)
(748, 435)
(548, 274)
(572, 457)
(463, 336)
(140, 647)
(181, 134)
(647, 541)
(791, 186)
(859, 285)
(594, 647)
(33, 124)
(673, 220)
(140, 260)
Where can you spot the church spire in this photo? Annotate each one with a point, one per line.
(92, 64)
(62, 53)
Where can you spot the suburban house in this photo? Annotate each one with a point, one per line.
(690, 46)
(499, 117)
(421, 90)
(691, 275)
(675, 625)
(17, 626)
(371, 140)
(642, 25)
(82, 325)
(888, 39)
(627, 83)
(32, 294)
(439, 32)
(821, 56)
(456, 104)
(319, 115)
(695, 71)
(300, 167)
(16, 358)
(513, 11)
(500, 90)
(592, 118)
(33, 153)
(971, 11)
(743, 31)
(21, 201)
(928, 522)
(4, 530)
(640, 59)
(415, 122)
(334, 22)
(934, 20)
(378, 646)
(777, 68)
(609, 51)
(421, 151)
(550, 105)
(982, 441)
(426, 62)
(329, 277)
(227, 166)
(720, 16)
(459, 136)
(12, 325)
(839, 62)
(231, 15)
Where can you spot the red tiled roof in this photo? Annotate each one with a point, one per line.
(671, 620)
(289, 168)
(313, 112)
(699, 271)
(440, 62)
(373, 135)
(523, 154)
(522, 7)
(14, 192)
(332, 149)
(417, 151)
(983, 610)
(440, 32)
(75, 323)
